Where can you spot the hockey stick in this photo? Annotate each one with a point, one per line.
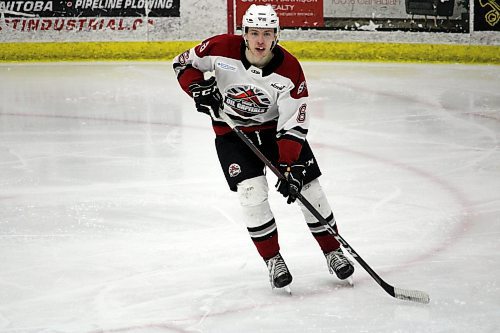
(403, 294)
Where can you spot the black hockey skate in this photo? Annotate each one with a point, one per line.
(279, 275)
(339, 264)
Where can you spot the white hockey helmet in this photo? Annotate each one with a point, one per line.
(261, 16)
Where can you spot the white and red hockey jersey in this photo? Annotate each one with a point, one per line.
(272, 97)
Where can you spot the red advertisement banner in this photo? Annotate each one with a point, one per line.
(292, 13)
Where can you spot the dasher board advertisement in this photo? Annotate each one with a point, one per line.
(292, 13)
(88, 20)
(90, 8)
(487, 15)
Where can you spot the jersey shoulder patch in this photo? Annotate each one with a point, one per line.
(221, 45)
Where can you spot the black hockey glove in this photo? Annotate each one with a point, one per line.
(207, 96)
(292, 184)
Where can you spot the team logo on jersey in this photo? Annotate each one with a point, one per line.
(183, 58)
(234, 170)
(247, 100)
(302, 87)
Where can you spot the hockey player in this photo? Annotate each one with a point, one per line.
(262, 88)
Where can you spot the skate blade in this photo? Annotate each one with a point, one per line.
(350, 281)
(287, 290)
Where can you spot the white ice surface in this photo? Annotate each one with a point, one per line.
(115, 216)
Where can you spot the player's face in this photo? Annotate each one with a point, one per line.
(260, 42)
